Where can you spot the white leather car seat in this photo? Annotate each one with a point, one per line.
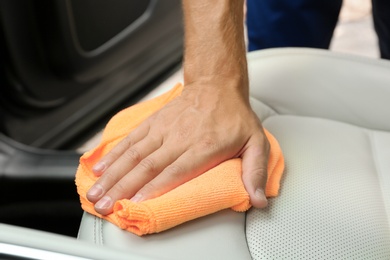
(331, 114)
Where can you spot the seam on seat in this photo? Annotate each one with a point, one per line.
(94, 230)
(378, 170)
(101, 231)
(98, 231)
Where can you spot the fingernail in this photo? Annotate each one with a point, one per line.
(96, 191)
(259, 193)
(136, 198)
(104, 203)
(99, 167)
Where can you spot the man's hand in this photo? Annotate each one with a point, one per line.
(193, 133)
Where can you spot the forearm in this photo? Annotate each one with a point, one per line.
(214, 42)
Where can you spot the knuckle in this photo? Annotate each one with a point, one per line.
(128, 141)
(174, 170)
(148, 165)
(156, 138)
(133, 155)
(260, 174)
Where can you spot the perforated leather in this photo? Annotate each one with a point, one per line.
(331, 204)
(335, 195)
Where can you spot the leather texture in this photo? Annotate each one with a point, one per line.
(217, 236)
(23, 243)
(330, 113)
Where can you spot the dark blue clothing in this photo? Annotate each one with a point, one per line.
(306, 23)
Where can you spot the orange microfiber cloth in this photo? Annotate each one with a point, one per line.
(219, 188)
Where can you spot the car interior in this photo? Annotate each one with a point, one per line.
(62, 79)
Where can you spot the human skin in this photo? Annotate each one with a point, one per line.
(210, 122)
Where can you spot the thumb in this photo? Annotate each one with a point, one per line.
(254, 167)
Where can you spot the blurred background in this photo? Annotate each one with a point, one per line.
(355, 30)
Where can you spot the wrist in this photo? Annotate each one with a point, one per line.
(219, 87)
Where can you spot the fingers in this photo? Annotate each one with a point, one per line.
(161, 171)
(129, 182)
(132, 181)
(148, 169)
(134, 137)
(130, 157)
(189, 165)
(254, 166)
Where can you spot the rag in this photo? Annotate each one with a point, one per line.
(218, 188)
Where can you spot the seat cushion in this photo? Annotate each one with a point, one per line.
(334, 197)
(330, 114)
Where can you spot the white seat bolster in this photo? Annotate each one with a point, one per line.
(217, 236)
(319, 83)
